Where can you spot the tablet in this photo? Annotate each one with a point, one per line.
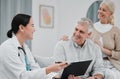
(76, 69)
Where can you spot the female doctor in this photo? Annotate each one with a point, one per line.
(16, 60)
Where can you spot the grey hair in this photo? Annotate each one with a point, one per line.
(88, 23)
(109, 4)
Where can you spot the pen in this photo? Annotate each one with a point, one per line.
(60, 62)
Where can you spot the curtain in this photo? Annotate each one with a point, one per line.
(8, 9)
(92, 11)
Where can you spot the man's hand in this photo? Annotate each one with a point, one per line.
(97, 76)
(73, 77)
(93, 77)
(90, 78)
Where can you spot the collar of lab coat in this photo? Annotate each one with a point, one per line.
(16, 42)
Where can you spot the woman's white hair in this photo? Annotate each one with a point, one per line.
(109, 4)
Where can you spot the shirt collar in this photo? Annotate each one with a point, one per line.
(77, 46)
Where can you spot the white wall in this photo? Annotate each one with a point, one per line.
(70, 11)
(117, 12)
(44, 38)
(67, 13)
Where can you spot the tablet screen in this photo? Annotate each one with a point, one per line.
(76, 69)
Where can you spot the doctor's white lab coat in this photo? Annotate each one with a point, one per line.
(12, 64)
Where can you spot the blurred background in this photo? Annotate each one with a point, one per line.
(65, 14)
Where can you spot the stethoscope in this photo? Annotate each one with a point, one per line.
(20, 48)
(26, 59)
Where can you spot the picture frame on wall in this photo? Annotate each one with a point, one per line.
(46, 17)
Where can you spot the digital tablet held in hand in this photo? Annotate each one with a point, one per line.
(76, 69)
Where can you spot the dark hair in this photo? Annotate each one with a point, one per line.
(19, 19)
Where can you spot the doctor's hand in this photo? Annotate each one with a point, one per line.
(56, 67)
(73, 77)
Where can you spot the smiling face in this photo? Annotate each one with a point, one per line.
(29, 30)
(104, 14)
(80, 34)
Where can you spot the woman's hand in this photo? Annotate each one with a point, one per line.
(107, 51)
(64, 38)
(56, 67)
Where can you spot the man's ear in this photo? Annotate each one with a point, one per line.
(89, 34)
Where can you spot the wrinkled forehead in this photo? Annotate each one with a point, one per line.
(82, 27)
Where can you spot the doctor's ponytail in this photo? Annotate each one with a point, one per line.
(9, 33)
